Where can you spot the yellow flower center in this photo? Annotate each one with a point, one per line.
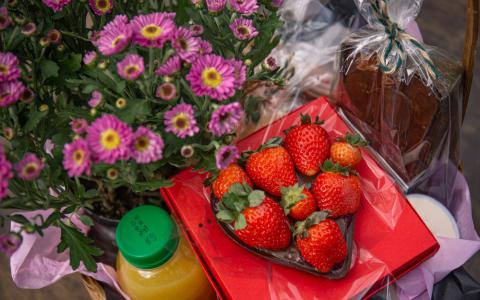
(181, 121)
(3, 69)
(243, 30)
(117, 40)
(110, 139)
(102, 5)
(29, 169)
(131, 69)
(142, 143)
(152, 31)
(78, 156)
(211, 77)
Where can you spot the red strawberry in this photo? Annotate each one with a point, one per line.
(321, 242)
(298, 202)
(309, 146)
(337, 190)
(271, 168)
(258, 220)
(345, 151)
(227, 177)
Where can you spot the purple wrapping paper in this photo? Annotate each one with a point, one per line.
(37, 264)
(449, 187)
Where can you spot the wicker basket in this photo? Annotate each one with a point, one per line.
(96, 291)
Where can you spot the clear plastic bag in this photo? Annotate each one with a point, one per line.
(404, 97)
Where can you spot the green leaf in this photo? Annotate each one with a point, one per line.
(135, 110)
(139, 187)
(81, 247)
(240, 222)
(73, 63)
(49, 68)
(90, 194)
(256, 198)
(86, 220)
(69, 209)
(225, 216)
(34, 119)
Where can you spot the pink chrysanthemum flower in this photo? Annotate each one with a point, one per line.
(196, 29)
(204, 47)
(109, 139)
(96, 99)
(215, 6)
(172, 65)
(8, 67)
(153, 30)
(180, 120)
(245, 7)
(240, 72)
(131, 67)
(89, 58)
(101, 7)
(56, 5)
(185, 44)
(30, 167)
(5, 173)
(115, 36)
(225, 156)
(147, 146)
(10, 92)
(9, 243)
(166, 91)
(76, 158)
(79, 126)
(243, 29)
(211, 75)
(226, 119)
(5, 19)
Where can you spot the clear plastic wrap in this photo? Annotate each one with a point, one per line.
(404, 97)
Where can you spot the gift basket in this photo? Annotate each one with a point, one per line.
(285, 137)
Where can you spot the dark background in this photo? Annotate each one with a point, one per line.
(442, 23)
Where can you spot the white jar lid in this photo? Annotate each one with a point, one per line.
(435, 215)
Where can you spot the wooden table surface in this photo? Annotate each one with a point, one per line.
(442, 23)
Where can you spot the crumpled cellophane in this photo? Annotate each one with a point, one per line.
(404, 97)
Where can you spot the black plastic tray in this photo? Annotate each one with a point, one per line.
(291, 257)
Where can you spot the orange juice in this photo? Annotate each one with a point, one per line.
(155, 261)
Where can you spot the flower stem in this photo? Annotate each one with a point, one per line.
(74, 35)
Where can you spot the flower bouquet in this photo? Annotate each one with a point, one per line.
(102, 101)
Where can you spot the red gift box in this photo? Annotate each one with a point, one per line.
(390, 238)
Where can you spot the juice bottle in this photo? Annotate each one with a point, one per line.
(155, 261)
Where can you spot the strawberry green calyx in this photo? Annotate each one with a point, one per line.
(272, 143)
(301, 228)
(291, 196)
(235, 201)
(330, 167)
(306, 119)
(353, 139)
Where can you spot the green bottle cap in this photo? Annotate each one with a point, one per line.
(147, 237)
